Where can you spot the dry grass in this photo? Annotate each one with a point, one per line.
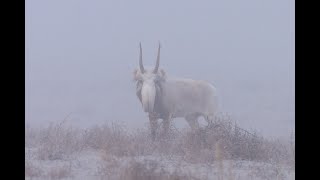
(115, 139)
(31, 136)
(59, 172)
(214, 144)
(150, 170)
(58, 141)
(31, 170)
(140, 170)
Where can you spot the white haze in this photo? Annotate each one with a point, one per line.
(80, 56)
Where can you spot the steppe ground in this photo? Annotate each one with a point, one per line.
(221, 150)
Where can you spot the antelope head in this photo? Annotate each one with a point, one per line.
(148, 83)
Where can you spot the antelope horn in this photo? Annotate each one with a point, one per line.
(158, 61)
(140, 60)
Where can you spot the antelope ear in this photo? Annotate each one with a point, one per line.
(136, 74)
(163, 74)
(138, 92)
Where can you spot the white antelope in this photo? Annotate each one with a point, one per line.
(166, 98)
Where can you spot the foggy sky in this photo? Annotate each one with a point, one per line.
(80, 56)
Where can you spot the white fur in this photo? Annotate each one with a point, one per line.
(180, 97)
(148, 94)
(166, 98)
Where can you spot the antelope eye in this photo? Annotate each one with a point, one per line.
(139, 82)
(138, 85)
(157, 79)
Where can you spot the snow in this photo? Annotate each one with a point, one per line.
(92, 164)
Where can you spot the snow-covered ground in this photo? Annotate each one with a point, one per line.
(112, 152)
(92, 164)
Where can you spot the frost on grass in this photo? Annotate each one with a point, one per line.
(221, 150)
(58, 141)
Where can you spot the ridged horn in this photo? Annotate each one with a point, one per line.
(140, 60)
(158, 61)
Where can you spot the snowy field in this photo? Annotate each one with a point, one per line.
(95, 165)
(219, 151)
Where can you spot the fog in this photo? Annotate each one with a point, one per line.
(80, 56)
